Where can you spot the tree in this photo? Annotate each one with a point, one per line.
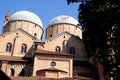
(100, 20)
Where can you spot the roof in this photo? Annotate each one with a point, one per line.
(54, 36)
(12, 58)
(8, 14)
(78, 77)
(37, 78)
(18, 29)
(52, 69)
(64, 19)
(26, 16)
(83, 64)
(46, 52)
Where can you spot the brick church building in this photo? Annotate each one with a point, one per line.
(24, 54)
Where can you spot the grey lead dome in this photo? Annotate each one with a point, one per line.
(63, 19)
(26, 16)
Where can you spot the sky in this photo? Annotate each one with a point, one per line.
(45, 9)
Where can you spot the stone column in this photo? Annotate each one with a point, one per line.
(71, 68)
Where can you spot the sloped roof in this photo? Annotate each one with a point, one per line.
(12, 58)
(46, 52)
(54, 36)
(52, 69)
(83, 64)
(18, 29)
(38, 78)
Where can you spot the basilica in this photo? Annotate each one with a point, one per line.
(24, 54)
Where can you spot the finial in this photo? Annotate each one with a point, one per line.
(8, 14)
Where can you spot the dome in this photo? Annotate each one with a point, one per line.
(64, 19)
(26, 16)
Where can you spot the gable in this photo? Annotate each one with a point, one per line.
(61, 34)
(10, 36)
(66, 41)
(15, 31)
(60, 39)
(16, 38)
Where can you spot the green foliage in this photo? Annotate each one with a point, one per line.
(100, 20)
(72, 1)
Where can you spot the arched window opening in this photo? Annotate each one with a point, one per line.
(58, 49)
(12, 72)
(72, 50)
(8, 47)
(23, 48)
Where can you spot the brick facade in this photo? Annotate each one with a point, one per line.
(22, 38)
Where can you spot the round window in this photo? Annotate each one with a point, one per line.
(53, 64)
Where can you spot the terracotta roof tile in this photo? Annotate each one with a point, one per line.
(12, 58)
(38, 78)
(44, 78)
(52, 69)
(20, 78)
(40, 51)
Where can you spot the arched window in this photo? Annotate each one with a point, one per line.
(72, 50)
(23, 48)
(58, 49)
(12, 72)
(8, 47)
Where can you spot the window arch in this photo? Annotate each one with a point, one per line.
(23, 48)
(8, 47)
(12, 72)
(57, 49)
(72, 50)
